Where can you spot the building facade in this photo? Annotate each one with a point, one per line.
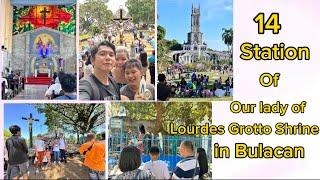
(195, 49)
(38, 36)
(195, 36)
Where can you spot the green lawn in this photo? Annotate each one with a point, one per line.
(212, 76)
(224, 98)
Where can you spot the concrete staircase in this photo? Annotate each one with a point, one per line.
(129, 39)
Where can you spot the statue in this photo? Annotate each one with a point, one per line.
(120, 22)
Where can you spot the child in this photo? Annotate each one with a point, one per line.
(48, 156)
(44, 162)
(56, 151)
(157, 167)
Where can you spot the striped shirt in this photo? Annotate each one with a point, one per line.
(187, 168)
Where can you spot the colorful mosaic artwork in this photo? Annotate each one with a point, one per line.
(61, 18)
(44, 44)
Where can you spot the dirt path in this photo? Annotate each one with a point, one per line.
(73, 169)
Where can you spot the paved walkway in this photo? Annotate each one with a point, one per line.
(32, 92)
(73, 169)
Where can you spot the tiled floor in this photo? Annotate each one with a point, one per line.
(32, 92)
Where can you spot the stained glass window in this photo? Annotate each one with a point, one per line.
(28, 18)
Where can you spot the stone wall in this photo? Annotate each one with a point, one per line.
(68, 52)
(19, 53)
(22, 55)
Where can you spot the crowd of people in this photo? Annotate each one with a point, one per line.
(113, 69)
(51, 151)
(17, 153)
(11, 84)
(45, 147)
(63, 86)
(197, 86)
(114, 33)
(194, 164)
(111, 73)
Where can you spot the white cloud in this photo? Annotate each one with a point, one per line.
(113, 5)
(215, 9)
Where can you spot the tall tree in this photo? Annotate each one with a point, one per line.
(159, 118)
(137, 111)
(7, 133)
(174, 45)
(77, 118)
(165, 112)
(227, 37)
(186, 113)
(142, 11)
(161, 33)
(94, 17)
(162, 45)
(163, 49)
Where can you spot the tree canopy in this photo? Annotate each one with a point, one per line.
(162, 46)
(161, 33)
(141, 11)
(94, 17)
(165, 112)
(74, 118)
(174, 45)
(136, 111)
(7, 133)
(227, 37)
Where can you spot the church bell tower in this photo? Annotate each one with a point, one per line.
(195, 42)
(195, 36)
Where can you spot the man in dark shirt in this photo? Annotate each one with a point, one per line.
(152, 60)
(164, 90)
(69, 86)
(11, 75)
(100, 85)
(17, 154)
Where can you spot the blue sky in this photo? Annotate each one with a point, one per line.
(175, 17)
(13, 114)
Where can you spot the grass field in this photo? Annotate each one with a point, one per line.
(225, 98)
(212, 76)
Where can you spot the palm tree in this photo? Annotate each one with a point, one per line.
(227, 37)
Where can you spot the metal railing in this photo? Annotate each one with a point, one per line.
(168, 145)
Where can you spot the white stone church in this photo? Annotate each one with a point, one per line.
(195, 48)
